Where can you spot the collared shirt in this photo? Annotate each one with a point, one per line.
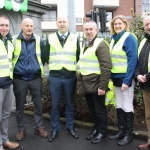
(60, 34)
(89, 42)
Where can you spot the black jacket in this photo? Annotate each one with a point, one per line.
(142, 67)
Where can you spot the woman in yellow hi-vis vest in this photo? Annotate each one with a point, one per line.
(123, 49)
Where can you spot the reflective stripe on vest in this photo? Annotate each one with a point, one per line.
(89, 57)
(6, 59)
(118, 56)
(18, 51)
(62, 57)
(139, 50)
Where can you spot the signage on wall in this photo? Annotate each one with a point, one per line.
(15, 5)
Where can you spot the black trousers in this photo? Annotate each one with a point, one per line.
(21, 88)
(96, 105)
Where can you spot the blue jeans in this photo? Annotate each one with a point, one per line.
(57, 86)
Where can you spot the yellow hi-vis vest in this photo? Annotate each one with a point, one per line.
(62, 57)
(139, 50)
(110, 95)
(118, 56)
(88, 63)
(6, 59)
(17, 51)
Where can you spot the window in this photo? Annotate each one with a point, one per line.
(145, 5)
(50, 16)
(78, 20)
(109, 17)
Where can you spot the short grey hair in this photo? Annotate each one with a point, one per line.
(90, 21)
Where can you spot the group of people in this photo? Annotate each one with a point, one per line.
(22, 59)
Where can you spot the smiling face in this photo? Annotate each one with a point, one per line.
(90, 30)
(62, 24)
(147, 25)
(4, 26)
(119, 25)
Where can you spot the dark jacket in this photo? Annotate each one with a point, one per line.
(5, 82)
(63, 73)
(142, 67)
(27, 66)
(91, 83)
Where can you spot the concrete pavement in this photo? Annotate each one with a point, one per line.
(64, 141)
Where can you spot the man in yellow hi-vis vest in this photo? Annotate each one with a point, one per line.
(6, 89)
(93, 77)
(28, 71)
(142, 74)
(62, 50)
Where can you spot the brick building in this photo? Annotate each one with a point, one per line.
(122, 7)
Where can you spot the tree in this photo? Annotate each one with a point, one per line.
(136, 26)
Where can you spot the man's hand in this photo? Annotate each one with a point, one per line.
(141, 78)
(101, 92)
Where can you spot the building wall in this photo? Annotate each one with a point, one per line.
(124, 8)
(138, 5)
(88, 6)
(35, 12)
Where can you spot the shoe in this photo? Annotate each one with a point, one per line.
(11, 145)
(52, 136)
(144, 146)
(117, 136)
(98, 138)
(126, 140)
(20, 135)
(40, 131)
(73, 133)
(91, 135)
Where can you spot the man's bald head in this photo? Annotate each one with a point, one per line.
(26, 20)
(62, 24)
(27, 27)
(62, 17)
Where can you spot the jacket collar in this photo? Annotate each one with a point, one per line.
(90, 43)
(8, 37)
(116, 37)
(147, 36)
(20, 36)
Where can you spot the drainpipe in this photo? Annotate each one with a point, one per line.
(134, 6)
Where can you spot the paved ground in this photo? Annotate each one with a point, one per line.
(63, 141)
